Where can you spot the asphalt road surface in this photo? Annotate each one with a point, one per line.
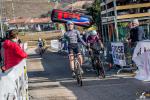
(50, 79)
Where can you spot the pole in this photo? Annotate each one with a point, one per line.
(12, 4)
(2, 33)
(148, 30)
(107, 20)
(72, 5)
(115, 20)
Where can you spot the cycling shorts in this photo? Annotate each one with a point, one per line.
(73, 48)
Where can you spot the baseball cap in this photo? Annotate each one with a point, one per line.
(135, 21)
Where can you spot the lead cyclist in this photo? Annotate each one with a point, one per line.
(73, 36)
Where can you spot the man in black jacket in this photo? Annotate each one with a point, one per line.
(136, 33)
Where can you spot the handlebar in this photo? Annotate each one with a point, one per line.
(102, 49)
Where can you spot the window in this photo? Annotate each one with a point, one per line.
(144, 10)
(110, 5)
(111, 13)
(127, 2)
(122, 2)
(122, 12)
(144, 1)
(103, 8)
(103, 15)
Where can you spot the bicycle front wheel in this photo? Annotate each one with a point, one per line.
(78, 73)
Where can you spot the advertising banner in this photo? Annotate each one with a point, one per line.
(141, 57)
(141, 47)
(118, 54)
(143, 63)
(76, 18)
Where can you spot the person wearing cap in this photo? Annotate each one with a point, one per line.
(95, 42)
(73, 37)
(40, 43)
(136, 33)
(11, 51)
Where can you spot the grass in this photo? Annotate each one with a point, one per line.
(32, 38)
(43, 35)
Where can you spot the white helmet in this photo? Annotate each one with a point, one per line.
(93, 32)
(40, 39)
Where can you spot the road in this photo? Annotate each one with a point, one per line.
(50, 79)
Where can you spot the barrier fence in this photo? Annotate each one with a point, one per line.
(14, 83)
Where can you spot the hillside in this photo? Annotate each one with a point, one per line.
(25, 8)
(30, 8)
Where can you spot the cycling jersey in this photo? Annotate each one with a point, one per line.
(40, 43)
(73, 36)
(92, 39)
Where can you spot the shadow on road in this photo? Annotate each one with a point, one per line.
(56, 69)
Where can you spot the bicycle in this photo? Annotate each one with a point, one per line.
(78, 70)
(97, 63)
(41, 51)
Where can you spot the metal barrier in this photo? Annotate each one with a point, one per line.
(128, 52)
(120, 53)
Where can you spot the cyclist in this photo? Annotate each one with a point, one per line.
(95, 42)
(40, 45)
(73, 36)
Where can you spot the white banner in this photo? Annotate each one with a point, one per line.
(14, 83)
(55, 44)
(141, 47)
(143, 63)
(118, 54)
(141, 57)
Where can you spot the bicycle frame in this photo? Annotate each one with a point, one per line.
(97, 62)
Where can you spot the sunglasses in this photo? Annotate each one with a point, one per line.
(71, 24)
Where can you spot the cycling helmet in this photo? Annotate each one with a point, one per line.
(93, 32)
(40, 39)
(69, 22)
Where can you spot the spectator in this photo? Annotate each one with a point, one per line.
(136, 33)
(12, 52)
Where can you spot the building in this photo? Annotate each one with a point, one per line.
(117, 15)
(31, 24)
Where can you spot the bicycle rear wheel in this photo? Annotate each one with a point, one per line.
(100, 68)
(79, 80)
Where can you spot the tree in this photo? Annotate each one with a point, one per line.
(95, 12)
